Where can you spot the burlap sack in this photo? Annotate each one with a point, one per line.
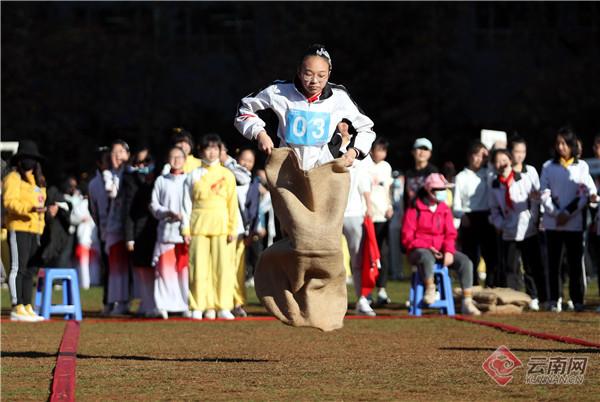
(480, 295)
(511, 296)
(485, 296)
(301, 278)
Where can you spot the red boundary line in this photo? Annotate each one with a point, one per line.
(521, 331)
(63, 382)
(254, 318)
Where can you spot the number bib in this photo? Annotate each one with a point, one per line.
(307, 128)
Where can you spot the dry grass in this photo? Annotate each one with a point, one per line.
(401, 359)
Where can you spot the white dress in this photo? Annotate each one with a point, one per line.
(170, 252)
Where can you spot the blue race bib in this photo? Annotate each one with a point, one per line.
(304, 127)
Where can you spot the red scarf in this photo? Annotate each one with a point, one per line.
(507, 181)
(176, 172)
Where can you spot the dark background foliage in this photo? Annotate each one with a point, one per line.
(79, 74)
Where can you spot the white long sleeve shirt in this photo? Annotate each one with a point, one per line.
(360, 183)
(470, 192)
(519, 222)
(381, 197)
(243, 177)
(565, 190)
(305, 125)
(167, 196)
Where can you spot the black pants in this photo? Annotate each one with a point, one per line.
(573, 242)
(479, 240)
(104, 272)
(253, 251)
(535, 277)
(593, 246)
(24, 247)
(381, 233)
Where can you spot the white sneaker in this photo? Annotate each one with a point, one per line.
(556, 308)
(20, 314)
(364, 308)
(250, 283)
(430, 294)
(570, 306)
(33, 314)
(196, 315)
(186, 314)
(163, 313)
(225, 315)
(210, 314)
(534, 305)
(468, 308)
(559, 305)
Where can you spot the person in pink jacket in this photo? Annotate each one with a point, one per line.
(429, 237)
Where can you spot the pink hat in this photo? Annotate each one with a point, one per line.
(436, 180)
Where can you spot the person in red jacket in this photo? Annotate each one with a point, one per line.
(429, 236)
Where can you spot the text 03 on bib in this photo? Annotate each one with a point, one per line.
(307, 128)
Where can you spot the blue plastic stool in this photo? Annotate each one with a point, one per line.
(444, 286)
(71, 305)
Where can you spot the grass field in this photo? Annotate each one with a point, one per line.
(395, 359)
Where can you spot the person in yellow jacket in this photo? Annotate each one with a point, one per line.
(24, 198)
(210, 213)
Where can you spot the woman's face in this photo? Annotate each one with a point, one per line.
(378, 153)
(421, 155)
(502, 163)
(562, 149)
(246, 159)
(211, 153)
(177, 159)
(140, 158)
(519, 152)
(476, 159)
(118, 156)
(314, 74)
(185, 146)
